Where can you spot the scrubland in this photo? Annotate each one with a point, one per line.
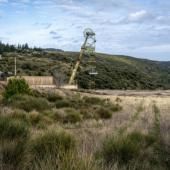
(68, 130)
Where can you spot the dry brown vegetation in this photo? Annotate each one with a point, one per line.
(135, 136)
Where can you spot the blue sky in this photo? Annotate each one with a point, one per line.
(140, 28)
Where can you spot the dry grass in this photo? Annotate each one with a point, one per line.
(137, 115)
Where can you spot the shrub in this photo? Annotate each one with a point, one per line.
(104, 113)
(72, 116)
(52, 97)
(11, 129)
(34, 117)
(13, 136)
(16, 86)
(87, 113)
(115, 107)
(118, 100)
(93, 100)
(50, 144)
(46, 121)
(29, 103)
(19, 115)
(124, 149)
(11, 153)
(62, 103)
(36, 93)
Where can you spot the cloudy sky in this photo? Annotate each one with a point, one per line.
(140, 28)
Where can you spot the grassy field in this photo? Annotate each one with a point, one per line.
(69, 130)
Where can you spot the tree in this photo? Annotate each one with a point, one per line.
(16, 86)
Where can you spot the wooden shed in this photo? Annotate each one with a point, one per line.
(38, 81)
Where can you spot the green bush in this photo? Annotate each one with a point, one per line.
(34, 117)
(104, 113)
(19, 115)
(72, 116)
(124, 149)
(62, 103)
(11, 129)
(93, 100)
(16, 86)
(52, 97)
(29, 103)
(50, 144)
(87, 113)
(115, 107)
(36, 93)
(13, 136)
(11, 153)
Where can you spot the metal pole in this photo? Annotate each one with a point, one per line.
(15, 71)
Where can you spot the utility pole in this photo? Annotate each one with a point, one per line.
(15, 71)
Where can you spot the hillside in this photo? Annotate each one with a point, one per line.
(115, 72)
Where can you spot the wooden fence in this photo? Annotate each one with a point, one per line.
(37, 80)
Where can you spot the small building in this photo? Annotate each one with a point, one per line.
(38, 81)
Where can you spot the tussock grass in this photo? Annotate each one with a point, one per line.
(34, 117)
(49, 144)
(72, 116)
(66, 161)
(11, 128)
(62, 103)
(125, 149)
(11, 152)
(92, 100)
(114, 107)
(13, 136)
(18, 114)
(52, 97)
(29, 103)
(104, 113)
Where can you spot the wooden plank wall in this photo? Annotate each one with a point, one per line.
(37, 80)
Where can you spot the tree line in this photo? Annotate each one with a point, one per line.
(16, 48)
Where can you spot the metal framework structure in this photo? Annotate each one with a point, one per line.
(88, 48)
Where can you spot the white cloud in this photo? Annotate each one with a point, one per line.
(138, 16)
(124, 26)
(156, 48)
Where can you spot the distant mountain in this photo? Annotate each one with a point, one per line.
(114, 71)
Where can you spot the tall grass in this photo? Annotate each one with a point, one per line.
(29, 103)
(11, 129)
(13, 136)
(125, 149)
(49, 144)
(104, 113)
(72, 116)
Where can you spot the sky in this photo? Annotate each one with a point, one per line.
(139, 28)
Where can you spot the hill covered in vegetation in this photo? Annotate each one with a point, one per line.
(114, 71)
